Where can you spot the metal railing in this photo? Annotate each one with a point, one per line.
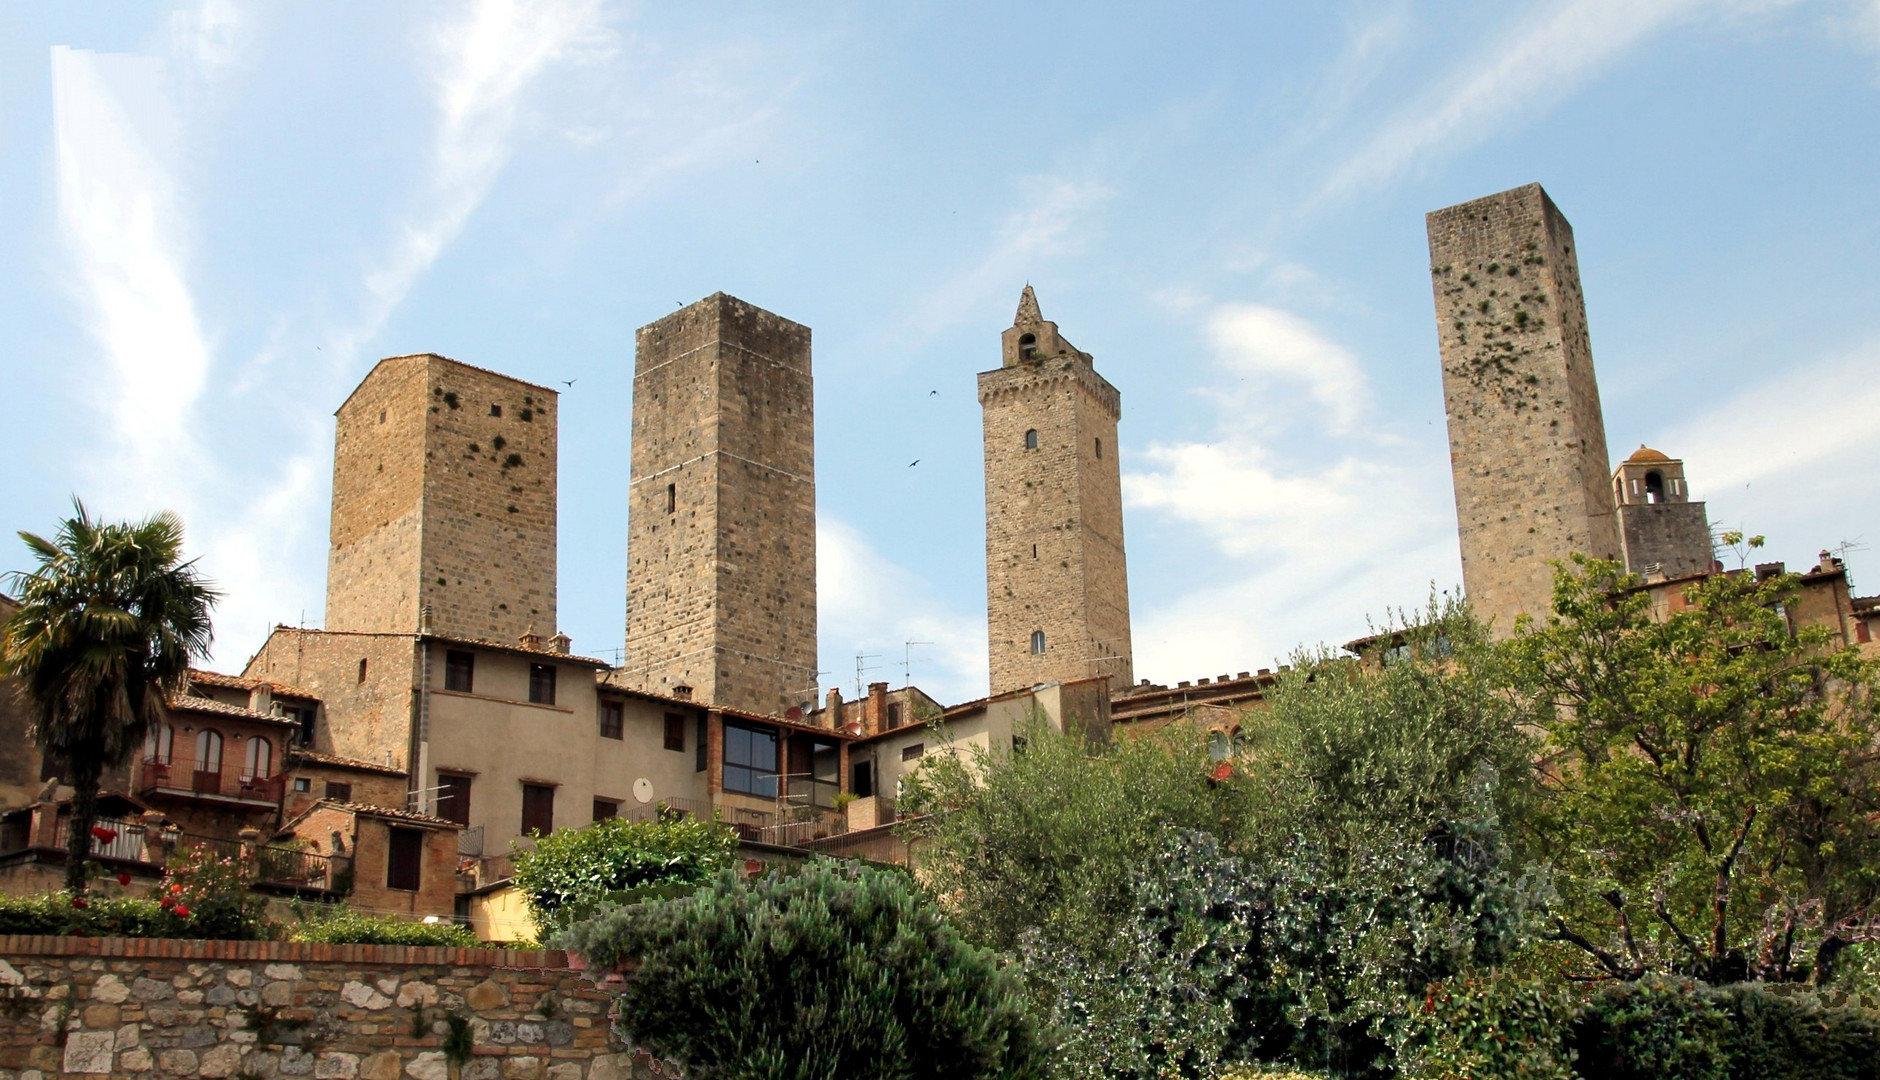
(223, 779)
(273, 864)
(470, 842)
(125, 838)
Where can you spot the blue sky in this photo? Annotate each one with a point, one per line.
(219, 215)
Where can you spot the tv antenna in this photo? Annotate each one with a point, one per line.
(860, 668)
(907, 661)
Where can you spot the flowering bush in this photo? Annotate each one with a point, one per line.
(205, 895)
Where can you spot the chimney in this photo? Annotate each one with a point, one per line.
(561, 643)
(875, 715)
(682, 692)
(530, 639)
(261, 699)
(832, 708)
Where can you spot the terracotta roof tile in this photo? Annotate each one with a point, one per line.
(190, 703)
(334, 760)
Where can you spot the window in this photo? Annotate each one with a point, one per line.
(259, 761)
(1028, 347)
(1031, 439)
(606, 809)
(538, 809)
(406, 858)
(1034, 551)
(362, 670)
(672, 498)
(1037, 642)
(612, 713)
(825, 774)
(302, 715)
(862, 778)
(453, 798)
(750, 761)
(302, 783)
(208, 750)
(1654, 487)
(339, 791)
(496, 410)
(542, 684)
(914, 752)
(1099, 449)
(460, 671)
(894, 714)
(157, 744)
(1018, 744)
(675, 731)
(698, 744)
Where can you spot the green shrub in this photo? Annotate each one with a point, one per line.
(207, 897)
(102, 916)
(578, 869)
(816, 973)
(1499, 1026)
(347, 927)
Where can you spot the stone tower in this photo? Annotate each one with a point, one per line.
(721, 549)
(1057, 590)
(1527, 444)
(1661, 529)
(443, 498)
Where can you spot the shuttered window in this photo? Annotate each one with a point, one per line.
(538, 809)
(406, 859)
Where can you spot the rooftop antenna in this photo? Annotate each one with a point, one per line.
(860, 668)
(907, 661)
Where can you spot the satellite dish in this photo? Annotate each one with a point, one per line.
(643, 790)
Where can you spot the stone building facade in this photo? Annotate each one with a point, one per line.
(1527, 441)
(721, 554)
(443, 503)
(1057, 588)
(1661, 530)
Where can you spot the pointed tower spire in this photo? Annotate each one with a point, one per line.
(1027, 308)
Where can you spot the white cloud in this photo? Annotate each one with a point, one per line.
(1269, 346)
(868, 604)
(1541, 60)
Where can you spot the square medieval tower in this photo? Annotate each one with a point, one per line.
(1057, 589)
(443, 499)
(1527, 443)
(721, 549)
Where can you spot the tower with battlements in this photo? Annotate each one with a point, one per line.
(1057, 589)
(443, 503)
(1527, 443)
(721, 549)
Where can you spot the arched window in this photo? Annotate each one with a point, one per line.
(208, 750)
(1654, 487)
(157, 744)
(1031, 439)
(1037, 642)
(1028, 346)
(260, 759)
(1220, 747)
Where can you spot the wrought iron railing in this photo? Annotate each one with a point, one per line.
(470, 843)
(111, 838)
(218, 779)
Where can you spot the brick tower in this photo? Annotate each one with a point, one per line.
(721, 549)
(443, 498)
(1057, 590)
(1527, 444)
(1662, 530)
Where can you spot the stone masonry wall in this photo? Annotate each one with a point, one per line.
(178, 1010)
(1054, 522)
(1527, 442)
(366, 719)
(721, 550)
(444, 482)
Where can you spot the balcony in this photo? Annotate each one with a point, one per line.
(218, 782)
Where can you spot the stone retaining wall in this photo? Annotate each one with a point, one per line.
(228, 1010)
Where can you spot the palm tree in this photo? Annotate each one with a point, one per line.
(107, 626)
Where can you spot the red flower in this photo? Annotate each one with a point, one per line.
(167, 903)
(1221, 772)
(80, 902)
(182, 911)
(124, 880)
(103, 835)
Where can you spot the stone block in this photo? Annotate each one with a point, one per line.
(129, 1035)
(239, 977)
(10, 975)
(100, 1016)
(197, 1037)
(221, 994)
(278, 994)
(611, 1067)
(152, 990)
(558, 1032)
(416, 993)
(220, 1061)
(296, 1062)
(282, 971)
(45, 1057)
(336, 1066)
(486, 996)
(385, 1065)
(136, 1060)
(110, 990)
(429, 1065)
(177, 1062)
(359, 995)
(567, 1070)
(522, 1067)
(483, 1068)
(189, 997)
(88, 1052)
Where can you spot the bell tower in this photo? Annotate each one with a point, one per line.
(1057, 589)
(1662, 530)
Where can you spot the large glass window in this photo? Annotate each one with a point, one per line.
(157, 743)
(825, 770)
(460, 671)
(750, 761)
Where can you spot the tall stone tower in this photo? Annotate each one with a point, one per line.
(721, 549)
(1527, 444)
(443, 498)
(1661, 529)
(1057, 590)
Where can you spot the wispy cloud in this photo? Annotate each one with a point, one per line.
(1264, 346)
(865, 603)
(1540, 61)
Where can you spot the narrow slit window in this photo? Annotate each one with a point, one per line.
(1099, 449)
(1037, 642)
(1031, 439)
(672, 498)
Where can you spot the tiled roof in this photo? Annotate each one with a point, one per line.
(389, 812)
(189, 703)
(242, 682)
(316, 758)
(517, 648)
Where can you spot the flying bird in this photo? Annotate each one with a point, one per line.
(569, 382)
(913, 463)
(931, 393)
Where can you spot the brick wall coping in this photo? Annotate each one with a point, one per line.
(13, 945)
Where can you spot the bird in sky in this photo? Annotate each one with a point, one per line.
(913, 463)
(569, 382)
(932, 393)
